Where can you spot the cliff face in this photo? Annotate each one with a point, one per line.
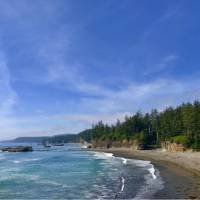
(116, 144)
(134, 145)
(172, 147)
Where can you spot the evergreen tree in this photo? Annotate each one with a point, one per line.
(180, 124)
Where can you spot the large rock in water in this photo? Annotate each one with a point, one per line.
(18, 149)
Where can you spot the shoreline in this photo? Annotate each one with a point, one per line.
(179, 171)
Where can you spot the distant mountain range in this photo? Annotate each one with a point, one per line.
(85, 135)
(29, 139)
(66, 138)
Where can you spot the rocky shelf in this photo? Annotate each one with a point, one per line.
(17, 149)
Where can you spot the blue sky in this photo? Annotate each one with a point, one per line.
(66, 64)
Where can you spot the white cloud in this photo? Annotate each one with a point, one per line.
(110, 107)
(102, 103)
(95, 102)
(55, 124)
(144, 96)
(165, 63)
(8, 96)
(8, 99)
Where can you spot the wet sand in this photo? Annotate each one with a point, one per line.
(180, 171)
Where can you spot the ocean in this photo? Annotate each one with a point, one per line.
(68, 172)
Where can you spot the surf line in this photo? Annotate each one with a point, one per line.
(122, 179)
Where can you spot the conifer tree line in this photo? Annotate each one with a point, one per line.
(180, 124)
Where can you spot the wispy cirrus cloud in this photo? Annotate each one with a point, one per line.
(8, 96)
(74, 64)
(109, 107)
(163, 64)
(8, 99)
(145, 96)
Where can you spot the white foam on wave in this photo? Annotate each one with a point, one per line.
(122, 187)
(16, 161)
(53, 183)
(102, 155)
(2, 158)
(140, 163)
(153, 183)
(32, 159)
(124, 161)
(2, 155)
(32, 177)
(152, 171)
(145, 163)
(123, 184)
(26, 160)
(110, 155)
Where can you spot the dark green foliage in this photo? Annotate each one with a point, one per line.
(66, 138)
(180, 139)
(85, 135)
(180, 125)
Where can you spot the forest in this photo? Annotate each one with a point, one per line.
(180, 125)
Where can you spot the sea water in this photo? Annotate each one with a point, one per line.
(67, 172)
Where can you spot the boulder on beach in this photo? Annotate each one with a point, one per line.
(17, 149)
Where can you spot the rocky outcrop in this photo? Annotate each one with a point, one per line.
(133, 144)
(17, 149)
(172, 147)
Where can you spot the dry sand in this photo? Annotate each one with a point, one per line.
(188, 160)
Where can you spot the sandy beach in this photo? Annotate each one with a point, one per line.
(180, 171)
